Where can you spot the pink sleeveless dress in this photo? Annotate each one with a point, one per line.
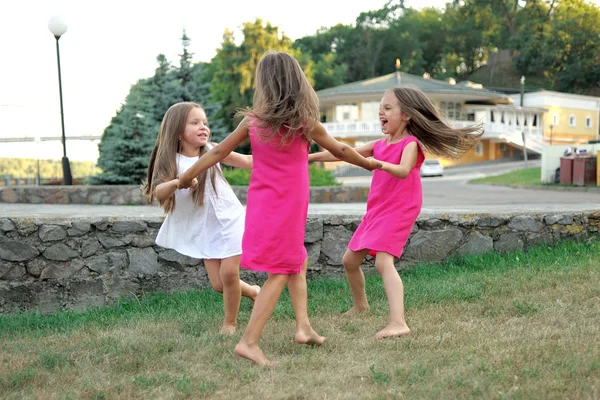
(277, 205)
(393, 204)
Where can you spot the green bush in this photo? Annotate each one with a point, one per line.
(237, 176)
(318, 177)
(321, 177)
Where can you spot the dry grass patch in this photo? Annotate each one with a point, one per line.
(515, 326)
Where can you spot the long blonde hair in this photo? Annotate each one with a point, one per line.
(163, 167)
(284, 98)
(428, 125)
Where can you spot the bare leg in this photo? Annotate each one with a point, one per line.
(305, 334)
(394, 289)
(213, 267)
(261, 312)
(356, 279)
(232, 293)
(249, 291)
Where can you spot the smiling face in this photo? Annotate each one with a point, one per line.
(392, 119)
(196, 133)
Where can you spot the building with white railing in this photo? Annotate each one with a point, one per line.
(351, 114)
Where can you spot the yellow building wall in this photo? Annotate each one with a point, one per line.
(470, 156)
(564, 131)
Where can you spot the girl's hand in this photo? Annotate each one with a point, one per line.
(185, 182)
(374, 164)
(194, 183)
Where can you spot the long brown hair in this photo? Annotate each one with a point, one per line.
(163, 166)
(284, 98)
(428, 125)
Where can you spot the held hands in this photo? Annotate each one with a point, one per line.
(183, 183)
(374, 164)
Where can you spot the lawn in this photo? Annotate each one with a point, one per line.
(522, 177)
(519, 325)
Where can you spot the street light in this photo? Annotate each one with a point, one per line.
(523, 130)
(58, 27)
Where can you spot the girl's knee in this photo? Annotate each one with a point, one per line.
(230, 275)
(351, 260)
(347, 262)
(382, 266)
(217, 286)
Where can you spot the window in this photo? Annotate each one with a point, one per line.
(588, 122)
(517, 120)
(491, 116)
(479, 149)
(572, 120)
(525, 120)
(346, 115)
(502, 117)
(534, 123)
(555, 119)
(451, 109)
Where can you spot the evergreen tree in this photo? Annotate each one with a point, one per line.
(128, 140)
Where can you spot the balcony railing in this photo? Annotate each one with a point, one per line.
(372, 129)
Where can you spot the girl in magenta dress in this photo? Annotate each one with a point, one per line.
(282, 122)
(409, 120)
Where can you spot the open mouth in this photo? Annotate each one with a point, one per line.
(384, 123)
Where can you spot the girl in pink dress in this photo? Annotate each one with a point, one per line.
(409, 120)
(281, 124)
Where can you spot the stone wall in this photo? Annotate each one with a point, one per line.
(51, 264)
(132, 195)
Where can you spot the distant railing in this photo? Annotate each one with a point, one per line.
(365, 130)
(29, 181)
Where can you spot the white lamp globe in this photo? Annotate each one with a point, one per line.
(57, 26)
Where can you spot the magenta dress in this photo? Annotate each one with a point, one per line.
(277, 205)
(393, 204)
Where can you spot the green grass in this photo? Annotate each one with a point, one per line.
(522, 177)
(519, 325)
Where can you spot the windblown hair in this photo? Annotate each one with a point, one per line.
(284, 101)
(428, 125)
(163, 167)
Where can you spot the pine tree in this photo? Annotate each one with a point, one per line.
(128, 141)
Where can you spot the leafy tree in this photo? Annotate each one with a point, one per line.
(232, 69)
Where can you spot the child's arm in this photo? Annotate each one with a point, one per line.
(340, 151)
(408, 161)
(366, 150)
(164, 190)
(216, 154)
(237, 160)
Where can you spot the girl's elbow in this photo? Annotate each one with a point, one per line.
(342, 152)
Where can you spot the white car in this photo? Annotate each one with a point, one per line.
(432, 167)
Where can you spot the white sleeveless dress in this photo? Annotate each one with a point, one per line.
(211, 231)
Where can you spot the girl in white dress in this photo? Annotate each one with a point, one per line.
(205, 221)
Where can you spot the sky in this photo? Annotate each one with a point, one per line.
(111, 44)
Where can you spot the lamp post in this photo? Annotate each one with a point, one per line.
(58, 27)
(523, 131)
(522, 89)
(37, 151)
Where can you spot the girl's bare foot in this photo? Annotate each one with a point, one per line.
(393, 329)
(310, 337)
(257, 288)
(357, 309)
(227, 329)
(254, 354)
